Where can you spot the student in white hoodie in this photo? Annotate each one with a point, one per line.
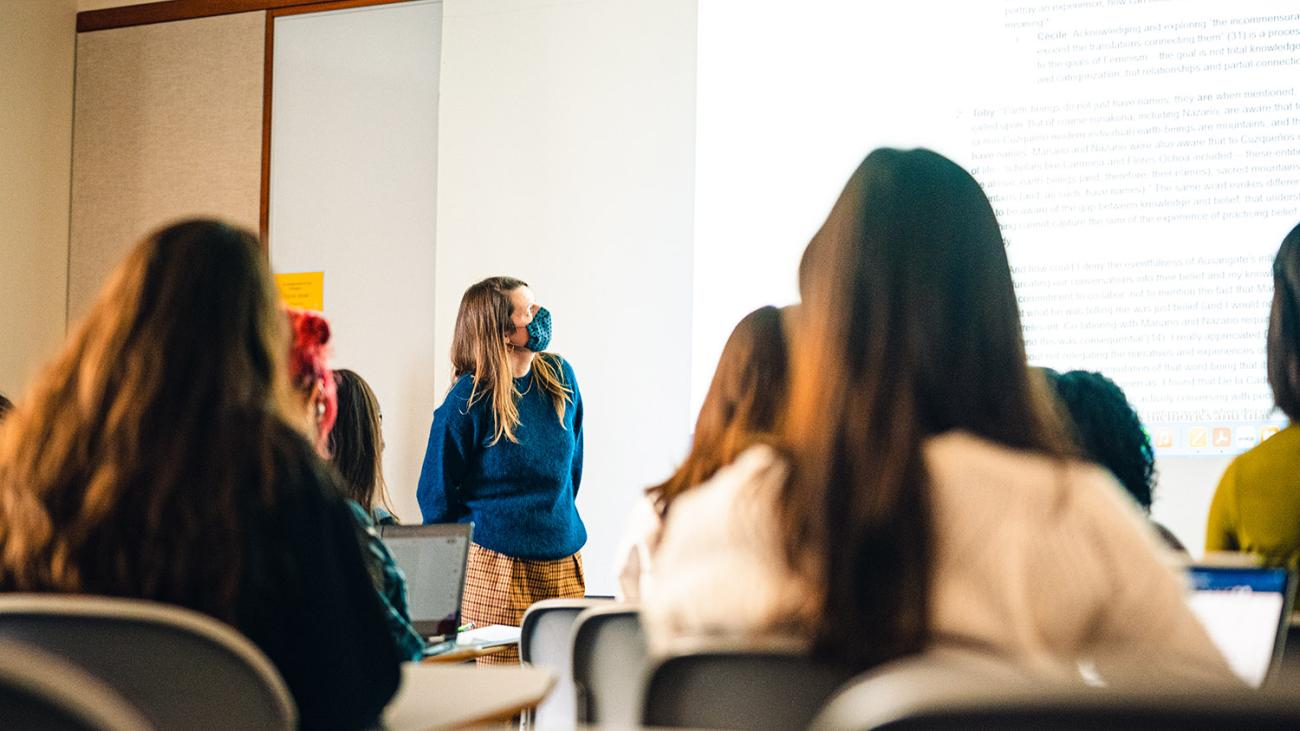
(743, 406)
(924, 493)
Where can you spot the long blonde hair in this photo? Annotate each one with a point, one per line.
(129, 467)
(478, 348)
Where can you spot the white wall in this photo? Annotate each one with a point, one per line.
(566, 158)
(1184, 488)
(354, 142)
(36, 65)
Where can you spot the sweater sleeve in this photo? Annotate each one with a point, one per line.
(635, 549)
(1145, 625)
(446, 458)
(1221, 527)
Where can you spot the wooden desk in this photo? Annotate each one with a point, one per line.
(466, 654)
(451, 696)
(469, 645)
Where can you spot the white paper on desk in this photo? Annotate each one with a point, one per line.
(489, 636)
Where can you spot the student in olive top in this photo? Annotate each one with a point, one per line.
(1256, 507)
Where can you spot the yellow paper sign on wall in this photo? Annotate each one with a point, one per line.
(302, 289)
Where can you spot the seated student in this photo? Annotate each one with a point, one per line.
(169, 468)
(925, 494)
(743, 404)
(356, 445)
(1256, 508)
(317, 389)
(1110, 433)
(357, 448)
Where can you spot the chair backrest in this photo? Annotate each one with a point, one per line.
(1289, 673)
(743, 689)
(609, 665)
(179, 668)
(1119, 712)
(41, 691)
(946, 692)
(546, 641)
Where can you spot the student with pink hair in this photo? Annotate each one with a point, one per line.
(316, 386)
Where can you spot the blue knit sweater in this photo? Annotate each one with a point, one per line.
(520, 496)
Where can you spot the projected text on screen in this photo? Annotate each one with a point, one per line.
(1143, 159)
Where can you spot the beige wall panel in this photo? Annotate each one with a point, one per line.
(36, 57)
(168, 124)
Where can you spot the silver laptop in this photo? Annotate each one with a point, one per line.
(433, 557)
(1245, 611)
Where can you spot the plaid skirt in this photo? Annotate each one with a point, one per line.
(499, 588)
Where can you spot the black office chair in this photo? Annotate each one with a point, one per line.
(42, 691)
(1288, 674)
(609, 665)
(737, 688)
(178, 668)
(941, 691)
(546, 641)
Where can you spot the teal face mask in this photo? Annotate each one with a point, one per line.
(539, 331)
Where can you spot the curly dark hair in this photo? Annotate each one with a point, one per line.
(1108, 430)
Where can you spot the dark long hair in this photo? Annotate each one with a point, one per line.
(130, 465)
(909, 328)
(357, 442)
(744, 403)
(1284, 327)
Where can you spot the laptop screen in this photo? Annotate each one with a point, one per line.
(433, 558)
(1244, 610)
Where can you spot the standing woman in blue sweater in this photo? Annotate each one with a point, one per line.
(505, 451)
